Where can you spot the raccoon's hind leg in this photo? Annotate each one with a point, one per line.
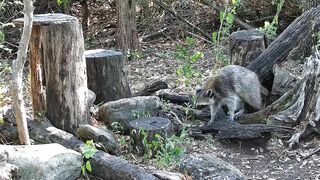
(233, 102)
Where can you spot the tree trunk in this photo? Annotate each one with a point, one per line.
(17, 71)
(246, 46)
(105, 75)
(127, 36)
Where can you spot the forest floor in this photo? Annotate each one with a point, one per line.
(264, 158)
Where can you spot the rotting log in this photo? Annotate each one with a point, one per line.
(106, 77)
(146, 129)
(294, 43)
(152, 88)
(182, 99)
(104, 165)
(245, 46)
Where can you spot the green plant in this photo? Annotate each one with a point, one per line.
(140, 114)
(166, 151)
(188, 56)
(171, 149)
(226, 18)
(62, 2)
(87, 152)
(270, 29)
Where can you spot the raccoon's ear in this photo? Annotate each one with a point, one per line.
(198, 89)
(209, 93)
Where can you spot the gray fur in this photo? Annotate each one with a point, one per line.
(233, 86)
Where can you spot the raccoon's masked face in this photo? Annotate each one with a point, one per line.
(204, 96)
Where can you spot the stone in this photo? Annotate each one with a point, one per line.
(46, 161)
(208, 166)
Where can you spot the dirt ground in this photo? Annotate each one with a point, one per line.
(264, 158)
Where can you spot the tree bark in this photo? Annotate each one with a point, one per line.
(65, 70)
(106, 77)
(308, 4)
(294, 44)
(127, 36)
(17, 69)
(36, 73)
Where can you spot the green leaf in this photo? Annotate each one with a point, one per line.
(221, 16)
(83, 169)
(214, 37)
(88, 166)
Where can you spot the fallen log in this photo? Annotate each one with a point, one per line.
(104, 165)
(294, 43)
(176, 98)
(152, 88)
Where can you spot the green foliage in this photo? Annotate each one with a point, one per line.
(139, 114)
(87, 153)
(62, 2)
(270, 29)
(226, 18)
(171, 149)
(188, 56)
(167, 151)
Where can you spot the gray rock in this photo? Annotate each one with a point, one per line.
(98, 135)
(125, 110)
(47, 161)
(7, 171)
(208, 166)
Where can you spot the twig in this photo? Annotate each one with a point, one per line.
(163, 6)
(142, 38)
(314, 152)
(199, 37)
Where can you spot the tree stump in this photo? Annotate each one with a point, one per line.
(294, 43)
(61, 46)
(145, 130)
(105, 74)
(304, 107)
(245, 46)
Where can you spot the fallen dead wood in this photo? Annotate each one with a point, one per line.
(176, 98)
(294, 43)
(231, 130)
(104, 165)
(152, 88)
(175, 14)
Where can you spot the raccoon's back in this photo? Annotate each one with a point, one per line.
(246, 84)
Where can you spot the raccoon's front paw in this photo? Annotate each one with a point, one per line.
(238, 114)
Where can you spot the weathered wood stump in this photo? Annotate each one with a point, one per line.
(304, 106)
(36, 68)
(245, 46)
(105, 74)
(294, 43)
(61, 46)
(145, 130)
